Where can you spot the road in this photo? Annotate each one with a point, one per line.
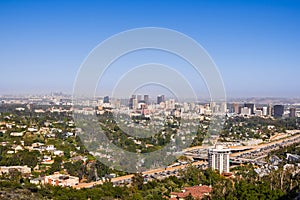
(257, 152)
(156, 173)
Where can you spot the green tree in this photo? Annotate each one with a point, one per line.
(138, 181)
(56, 166)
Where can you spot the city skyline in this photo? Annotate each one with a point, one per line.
(254, 44)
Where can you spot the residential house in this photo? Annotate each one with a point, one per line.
(197, 192)
(7, 169)
(17, 134)
(58, 179)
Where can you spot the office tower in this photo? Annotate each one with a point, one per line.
(251, 106)
(278, 110)
(218, 158)
(223, 107)
(292, 112)
(106, 99)
(135, 104)
(131, 103)
(265, 111)
(236, 107)
(160, 98)
(245, 111)
(270, 110)
(146, 99)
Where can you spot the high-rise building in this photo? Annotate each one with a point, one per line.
(251, 106)
(278, 110)
(160, 98)
(292, 112)
(270, 110)
(218, 158)
(265, 111)
(246, 111)
(223, 107)
(106, 99)
(131, 103)
(146, 99)
(135, 104)
(236, 107)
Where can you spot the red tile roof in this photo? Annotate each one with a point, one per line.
(196, 191)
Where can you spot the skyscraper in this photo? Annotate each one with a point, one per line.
(251, 106)
(131, 101)
(265, 111)
(236, 107)
(270, 110)
(223, 107)
(218, 158)
(106, 99)
(246, 111)
(278, 111)
(292, 112)
(135, 104)
(160, 98)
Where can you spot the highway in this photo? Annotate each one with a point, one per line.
(247, 154)
(151, 174)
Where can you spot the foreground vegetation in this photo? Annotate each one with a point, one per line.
(246, 185)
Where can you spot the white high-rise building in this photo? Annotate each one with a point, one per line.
(223, 107)
(135, 104)
(245, 111)
(218, 158)
(265, 111)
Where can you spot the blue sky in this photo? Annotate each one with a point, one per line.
(255, 44)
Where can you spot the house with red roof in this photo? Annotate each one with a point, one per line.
(197, 192)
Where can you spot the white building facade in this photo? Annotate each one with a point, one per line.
(218, 158)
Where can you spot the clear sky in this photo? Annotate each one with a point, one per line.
(255, 44)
